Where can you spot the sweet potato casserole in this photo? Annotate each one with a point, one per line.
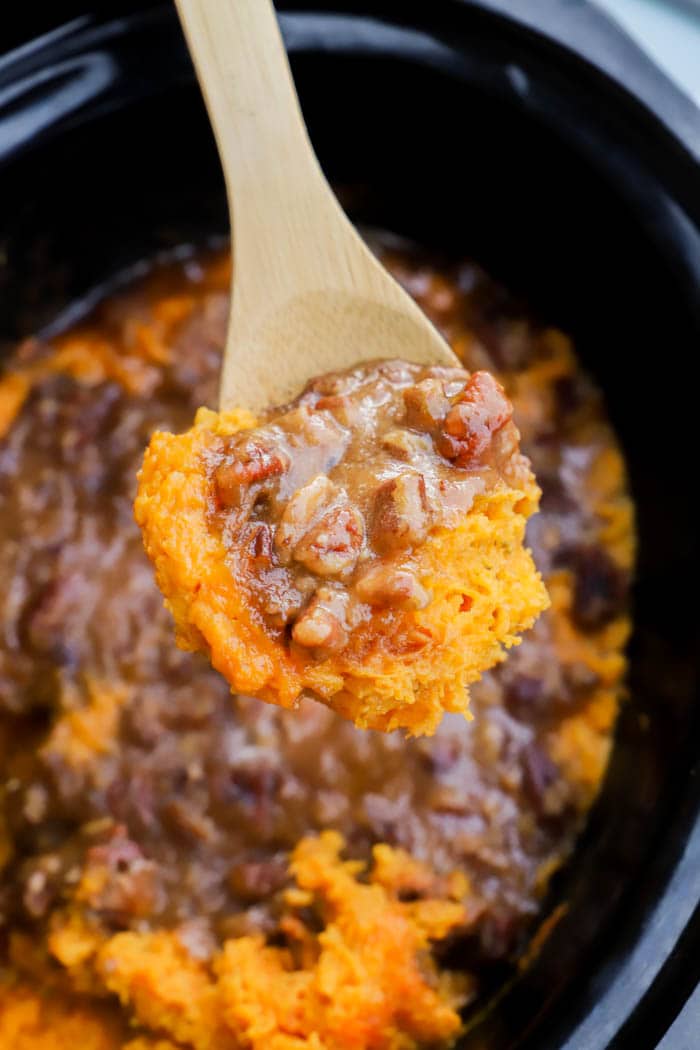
(363, 545)
(183, 868)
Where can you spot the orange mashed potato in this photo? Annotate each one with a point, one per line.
(365, 980)
(402, 666)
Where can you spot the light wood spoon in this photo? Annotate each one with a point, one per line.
(308, 296)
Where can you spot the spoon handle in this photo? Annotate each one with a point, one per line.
(289, 232)
(245, 78)
(308, 296)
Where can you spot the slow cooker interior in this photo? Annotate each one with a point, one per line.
(450, 163)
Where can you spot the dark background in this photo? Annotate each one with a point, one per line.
(18, 25)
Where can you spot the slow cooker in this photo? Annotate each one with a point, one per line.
(545, 144)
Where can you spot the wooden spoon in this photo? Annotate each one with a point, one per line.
(308, 296)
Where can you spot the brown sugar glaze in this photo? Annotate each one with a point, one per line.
(120, 751)
(349, 562)
(328, 492)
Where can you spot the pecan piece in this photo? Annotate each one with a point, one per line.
(333, 545)
(119, 881)
(342, 407)
(303, 509)
(383, 585)
(252, 463)
(406, 444)
(401, 515)
(322, 625)
(426, 404)
(320, 529)
(256, 880)
(256, 540)
(478, 413)
(456, 497)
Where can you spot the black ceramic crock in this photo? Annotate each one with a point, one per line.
(537, 138)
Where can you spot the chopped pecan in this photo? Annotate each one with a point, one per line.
(282, 595)
(320, 529)
(405, 444)
(426, 404)
(456, 497)
(302, 510)
(322, 624)
(188, 819)
(478, 413)
(118, 853)
(401, 515)
(251, 464)
(316, 429)
(119, 881)
(332, 383)
(383, 584)
(345, 410)
(256, 880)
(256, 538)
(332, 546)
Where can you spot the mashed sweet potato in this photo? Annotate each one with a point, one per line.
(355, 972)
(364, 544)
(32, 1020)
